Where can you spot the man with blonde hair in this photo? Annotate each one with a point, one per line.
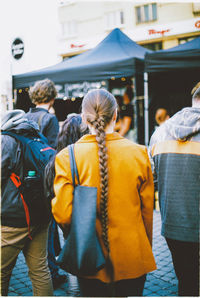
(174, 149)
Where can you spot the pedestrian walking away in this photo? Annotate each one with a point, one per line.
(127, 115)
(175, 153)
(71, 130)
(121, 172)
(16, 236)
(43, 94)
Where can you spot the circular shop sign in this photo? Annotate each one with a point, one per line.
(17, 48)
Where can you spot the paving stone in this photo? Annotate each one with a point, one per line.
(154, 288)
(18, 285)
(146, 292)
(13, 294)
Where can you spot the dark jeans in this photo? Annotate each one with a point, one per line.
(53, 248)
(185, 256)
(122, 288)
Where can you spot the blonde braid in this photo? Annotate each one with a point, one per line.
(99, 126)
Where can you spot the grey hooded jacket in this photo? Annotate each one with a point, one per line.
(12, 210)
(175, 155)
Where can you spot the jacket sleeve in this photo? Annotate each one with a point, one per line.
(10, 156)
(51, 131)
(147, 199)
(63, 188)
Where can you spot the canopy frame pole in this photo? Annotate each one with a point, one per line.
(146, 109)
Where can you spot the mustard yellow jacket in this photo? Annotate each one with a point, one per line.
(130, 201)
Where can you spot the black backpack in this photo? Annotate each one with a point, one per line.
(35, 153)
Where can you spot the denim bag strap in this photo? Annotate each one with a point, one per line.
(73, 165)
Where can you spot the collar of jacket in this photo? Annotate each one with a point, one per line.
(92, 138)
(35, 110)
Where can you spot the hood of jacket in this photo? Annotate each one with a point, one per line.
(15, 120)
(184, 124)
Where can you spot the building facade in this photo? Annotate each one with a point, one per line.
(29, 41)
(155, 25)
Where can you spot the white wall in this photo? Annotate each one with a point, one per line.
(36, 23)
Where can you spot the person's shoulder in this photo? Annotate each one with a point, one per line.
(63, 153)
(9, 144)
(159, 135)
(132, 145)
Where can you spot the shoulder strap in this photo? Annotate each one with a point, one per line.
(24, 139)
(14, 135)
(73, 165)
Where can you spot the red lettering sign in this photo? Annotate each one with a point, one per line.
(76, 46)
(197, 24)
(162, 32)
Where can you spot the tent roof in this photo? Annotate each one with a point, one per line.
(116, 56)
(186, 55)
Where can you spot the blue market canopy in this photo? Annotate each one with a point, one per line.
(116, 56)
(183, 56)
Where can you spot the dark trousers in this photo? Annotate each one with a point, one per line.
(53, 248)
(185, 256)
(122, 288)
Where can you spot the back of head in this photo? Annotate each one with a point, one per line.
(196, 98)
(161, 116)
(42, 92)
(195, 88)
(71, 131)
(98, 109)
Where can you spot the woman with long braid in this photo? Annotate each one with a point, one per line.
(121, 171)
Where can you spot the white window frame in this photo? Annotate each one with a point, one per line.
(113, 19)
(66, 2)
(142, 12)
(69, 29)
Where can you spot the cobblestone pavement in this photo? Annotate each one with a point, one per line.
(161, 282)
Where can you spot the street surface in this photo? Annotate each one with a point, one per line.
(161, 282)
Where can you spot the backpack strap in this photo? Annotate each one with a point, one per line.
(18, 137)
(25, 139)
(73, 166)
(17, 182)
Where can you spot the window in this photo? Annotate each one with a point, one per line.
(185, 39)
(146, 13)
(196, 9)
(65, 2)
(155, 46)
(114, 19)
(69, 29)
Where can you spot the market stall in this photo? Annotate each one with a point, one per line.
(170, 76)
(116, 56)
(113, 61)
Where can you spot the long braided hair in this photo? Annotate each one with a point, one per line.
(98, 108)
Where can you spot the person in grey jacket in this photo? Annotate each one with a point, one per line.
(14, 231)
(175, 153)
(43, 94)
